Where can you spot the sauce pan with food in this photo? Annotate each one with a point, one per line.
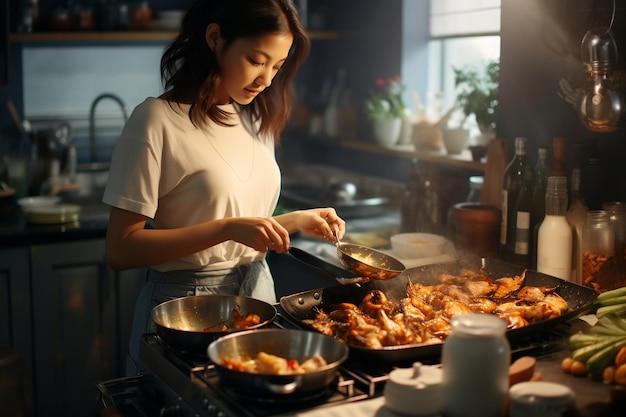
(278, 363)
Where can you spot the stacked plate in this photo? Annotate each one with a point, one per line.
(47, 210)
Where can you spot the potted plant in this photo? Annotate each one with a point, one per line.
(477, 94)
(386, 109)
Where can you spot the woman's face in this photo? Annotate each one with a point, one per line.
(248, 65)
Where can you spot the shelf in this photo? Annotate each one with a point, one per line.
(120, 36)
(463, 160)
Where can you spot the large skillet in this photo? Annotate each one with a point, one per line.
(302, 306)
(190, 324)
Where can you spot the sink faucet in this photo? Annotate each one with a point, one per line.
(92, 121)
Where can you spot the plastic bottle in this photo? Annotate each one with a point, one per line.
(517, 175)
(597, 245)
(475, 360)
(554, 240)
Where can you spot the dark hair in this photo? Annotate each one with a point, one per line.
(190, 71)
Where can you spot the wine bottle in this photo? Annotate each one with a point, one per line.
(517, 175)
(543, 168)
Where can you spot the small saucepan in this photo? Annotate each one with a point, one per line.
(190, 324)
(368, 262)
(284, 343)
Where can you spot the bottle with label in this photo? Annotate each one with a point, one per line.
(517, 175)
(554, 240)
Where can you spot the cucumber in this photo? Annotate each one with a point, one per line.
(611, 301)
(602, 358)
(617, 309)
(583, 354)
(616, 293)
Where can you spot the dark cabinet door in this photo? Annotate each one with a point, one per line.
(74, 326)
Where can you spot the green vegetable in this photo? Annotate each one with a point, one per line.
(604, 357)
(608, 295)
(611, 301)
(617, 309)
(586, 352)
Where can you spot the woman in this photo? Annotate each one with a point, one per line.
(194, 180)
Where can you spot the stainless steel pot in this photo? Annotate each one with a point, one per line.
(286, 343)
(190, 324)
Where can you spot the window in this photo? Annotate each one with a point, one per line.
(462, 33)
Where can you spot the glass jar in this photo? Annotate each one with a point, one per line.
(475, 362)
(617, 218)
(597, 245)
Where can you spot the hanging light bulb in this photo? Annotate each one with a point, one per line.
(600, 104)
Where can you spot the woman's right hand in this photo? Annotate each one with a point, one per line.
(259, 233)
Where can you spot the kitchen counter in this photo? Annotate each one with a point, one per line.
(16, 231)
(593, 398)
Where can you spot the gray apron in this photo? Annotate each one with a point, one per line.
(251, 280)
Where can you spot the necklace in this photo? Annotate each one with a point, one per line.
(209, 136)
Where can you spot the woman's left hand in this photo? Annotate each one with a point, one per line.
(322, 223)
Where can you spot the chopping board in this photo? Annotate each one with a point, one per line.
(494, 171)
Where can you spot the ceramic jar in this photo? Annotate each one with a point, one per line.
(475, 361)
(414, 391)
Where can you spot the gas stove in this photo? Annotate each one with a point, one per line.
(182, 385)
(178, 384)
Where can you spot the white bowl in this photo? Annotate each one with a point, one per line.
(37, 201)
(455, 140)
(418, 245)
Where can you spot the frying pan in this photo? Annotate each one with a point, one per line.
(190, 324)
(285, 343)
(302, 306)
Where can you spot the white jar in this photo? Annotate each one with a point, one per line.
(475, 362)
(540, 399)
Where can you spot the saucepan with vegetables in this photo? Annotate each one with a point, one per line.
(190, 324)
(277, 363)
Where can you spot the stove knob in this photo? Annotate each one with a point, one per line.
(210, 407)
(170, 411)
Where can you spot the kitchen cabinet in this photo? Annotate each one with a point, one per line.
(69, 315)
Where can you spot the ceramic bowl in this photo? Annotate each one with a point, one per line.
(455, 140)
(417, 245)
(27, 203)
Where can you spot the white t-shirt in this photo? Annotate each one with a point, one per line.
(178, 175)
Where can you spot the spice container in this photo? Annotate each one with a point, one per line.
(140, 15)
(475, 361)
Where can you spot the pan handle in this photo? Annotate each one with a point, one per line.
(287, 388)
(326, 270)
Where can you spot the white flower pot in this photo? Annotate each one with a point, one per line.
(387, 131)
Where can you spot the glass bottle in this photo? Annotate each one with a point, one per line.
(542, 171)
(617, 218)
(576, 216)
(475, 361)
(597, 246)
(559, 164)
(517, 175)
(554, 240)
